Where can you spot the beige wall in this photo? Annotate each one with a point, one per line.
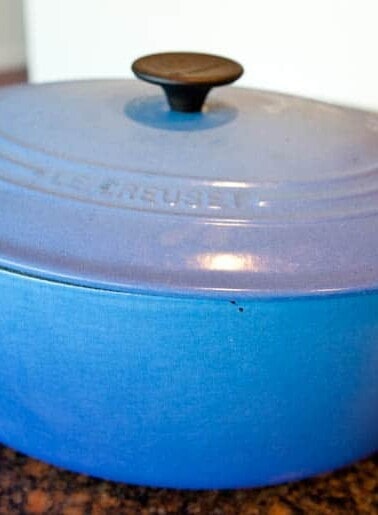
(319, 48)
(12, 52)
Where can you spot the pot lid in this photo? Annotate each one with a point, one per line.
(259, 194)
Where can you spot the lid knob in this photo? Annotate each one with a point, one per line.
(187, 77)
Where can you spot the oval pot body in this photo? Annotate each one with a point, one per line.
(187, 392)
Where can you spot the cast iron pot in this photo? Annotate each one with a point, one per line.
(189, 295)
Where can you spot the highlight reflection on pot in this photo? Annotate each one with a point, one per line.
(231, 262)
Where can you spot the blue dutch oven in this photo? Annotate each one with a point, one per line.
(189, 293)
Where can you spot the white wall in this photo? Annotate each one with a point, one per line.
(12, 51)
(318, 48)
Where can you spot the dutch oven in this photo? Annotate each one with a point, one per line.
(188, 292)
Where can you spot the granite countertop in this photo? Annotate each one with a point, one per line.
(29, 486)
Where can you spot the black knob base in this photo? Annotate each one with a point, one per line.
(186, 99)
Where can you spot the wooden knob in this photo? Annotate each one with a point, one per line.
(187, 77)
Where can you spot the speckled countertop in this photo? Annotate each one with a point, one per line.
(28, 486)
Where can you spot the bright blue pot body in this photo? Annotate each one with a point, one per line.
(187, 392)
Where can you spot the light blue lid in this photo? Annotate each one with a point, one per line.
(262, 194)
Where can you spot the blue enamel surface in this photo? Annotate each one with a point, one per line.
(167, 307)
(153, 111)
(187, 393)
(261, 195)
